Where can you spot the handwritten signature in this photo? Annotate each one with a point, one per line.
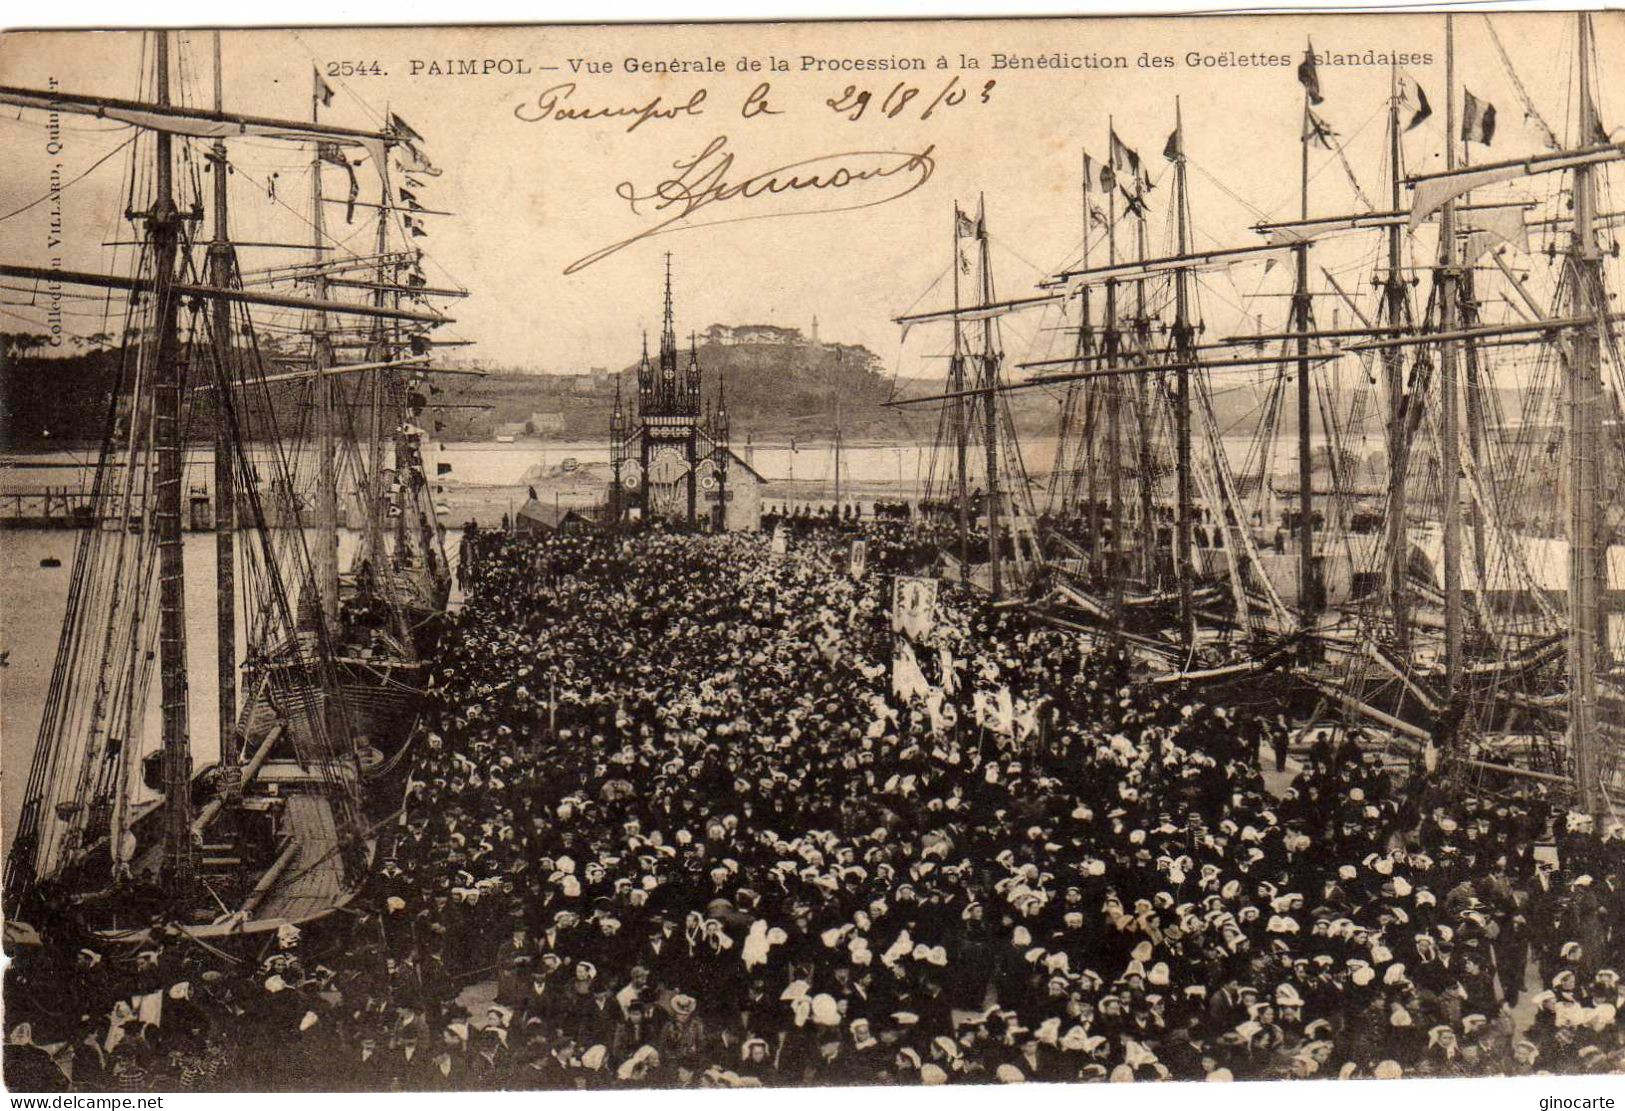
(550, 105)
(704, 180)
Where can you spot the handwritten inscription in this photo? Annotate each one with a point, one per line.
(708, 182)
(552, 103)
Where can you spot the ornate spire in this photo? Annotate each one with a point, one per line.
(668, 332)
(693, 383)
(645, 374)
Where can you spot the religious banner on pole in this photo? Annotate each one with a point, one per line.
(914, 606)
(858, 561)
(780, 543)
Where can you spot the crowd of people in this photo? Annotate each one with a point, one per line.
(671, 823)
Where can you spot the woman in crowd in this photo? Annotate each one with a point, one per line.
(672, 823)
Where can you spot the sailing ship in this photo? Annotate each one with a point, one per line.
(275, 830)
(1417, 607)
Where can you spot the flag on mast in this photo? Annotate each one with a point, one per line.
(1477, 119)
(1308, 75)
(1319, 132)
(324, 91)
(1174, 149)
(964, 228)
(330, 152)
(403, 129)
(1413, 98)
(1124, 159)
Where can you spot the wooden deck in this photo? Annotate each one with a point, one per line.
(312, 882)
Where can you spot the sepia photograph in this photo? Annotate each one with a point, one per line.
(842, 552)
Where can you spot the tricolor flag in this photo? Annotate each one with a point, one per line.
(1477, 119)
(964, 228)
(1124, 160)
(1308, 75)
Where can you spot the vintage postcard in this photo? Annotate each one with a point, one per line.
(792, 554)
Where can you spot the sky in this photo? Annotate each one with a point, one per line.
(532, 197)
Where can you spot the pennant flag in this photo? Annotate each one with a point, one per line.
(324, 91)
(415, 161)
(407, 195)
(1412, 97)
(1308, 75)
(404, 129)
(442, 468)
(1319, 132)
(1088, 173)
(1477, 119)
(330, 152)
(1174, 149)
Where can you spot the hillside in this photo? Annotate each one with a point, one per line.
(777, 388)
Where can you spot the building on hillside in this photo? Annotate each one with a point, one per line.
(672, 462)
(727, 336)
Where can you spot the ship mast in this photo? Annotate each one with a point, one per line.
(990, 382)
(327, 539)
(837, 433)
(1184, 354)
(1393, 364)
(163, 228)
(956, 373)
(1086, 352)
(1308, 589)
(222, 265)
(1142, 385)
(1114, 413)
(1585, 395)
(1449, 410)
